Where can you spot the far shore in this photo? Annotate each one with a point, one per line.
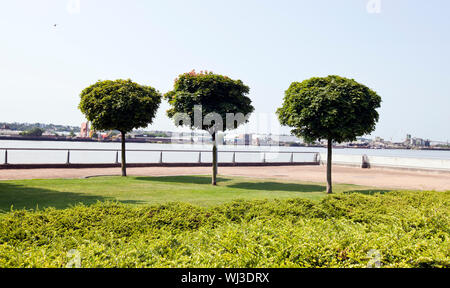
(168, 141)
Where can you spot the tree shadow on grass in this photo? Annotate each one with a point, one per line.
(367, 191)
(183, 179)
(23, 197)
(278, 186)
(263, 186)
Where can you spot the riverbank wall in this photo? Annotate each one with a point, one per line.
(389, 162)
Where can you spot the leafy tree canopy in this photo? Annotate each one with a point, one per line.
(119, 105)
(331, 107)
(33, 132)
(215, 93)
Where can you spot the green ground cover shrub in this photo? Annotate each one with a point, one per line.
(407, 229)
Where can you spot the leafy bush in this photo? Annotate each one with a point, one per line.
(408, 229)
(33, 132)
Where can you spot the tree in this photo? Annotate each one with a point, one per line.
(332, 108)
(215, 96)
(119, 105)
(35, 132)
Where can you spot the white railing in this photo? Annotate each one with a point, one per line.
(24, 156)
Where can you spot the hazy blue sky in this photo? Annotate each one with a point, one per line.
(402, 53)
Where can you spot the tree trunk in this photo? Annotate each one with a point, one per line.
(214, 160)
(123, 164)
(329, 163)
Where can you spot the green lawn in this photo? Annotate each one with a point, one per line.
(63, 193)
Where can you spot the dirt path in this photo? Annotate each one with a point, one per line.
(383, 178)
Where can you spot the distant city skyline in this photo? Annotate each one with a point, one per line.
(82, 130)
(400, 51)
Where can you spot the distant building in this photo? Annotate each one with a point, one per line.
(48, 133)
(84, 131)
(408, 139)
(247, 139)
(417, 142)
(7, 132)
(220, 140)
(379, 139)
(289, 139)
(241, 139)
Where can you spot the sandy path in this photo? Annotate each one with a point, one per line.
(383, 178)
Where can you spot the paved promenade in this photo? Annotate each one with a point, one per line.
(377, 177)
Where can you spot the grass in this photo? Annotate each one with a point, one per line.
(64, 193)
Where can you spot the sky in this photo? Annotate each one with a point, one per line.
(398, 48)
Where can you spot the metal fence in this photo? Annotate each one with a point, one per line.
(90, 157)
